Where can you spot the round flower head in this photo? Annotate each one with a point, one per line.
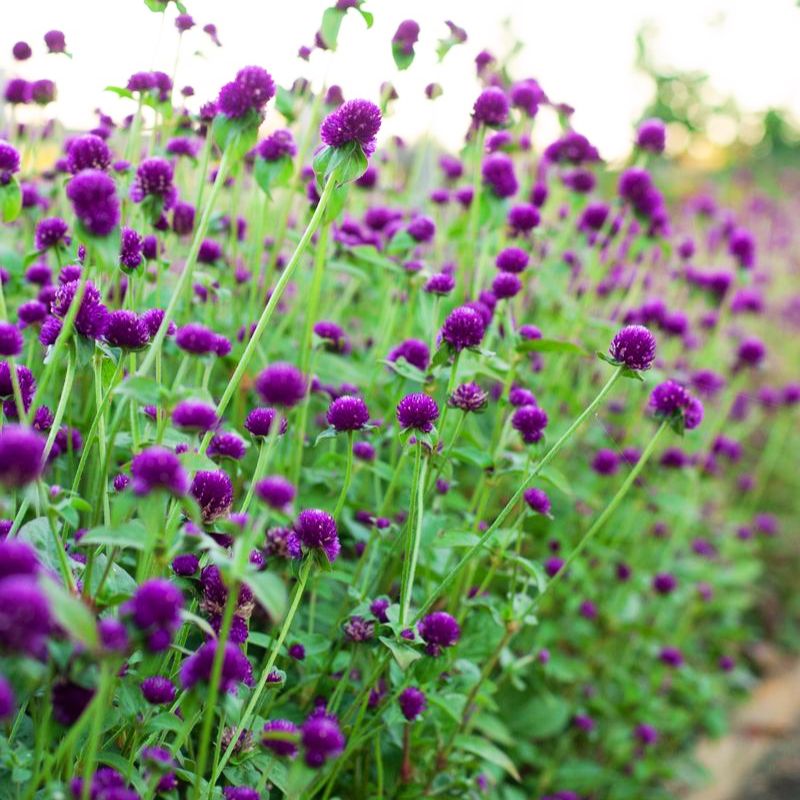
(512, 259)
(21, 51)
(348, 413)
(406, 36)
(468, 397)
(191, 415)
(279, 144)
(227, 445)
(441, 283)
(537, 500)
(155, 609)
(506, 285)
(275, 491)
(316, 529)
(113, 635)
(183, 218)
(281, 384)
(668, 398)
(527, 95)
(523, 218)
(530, 421)
(92, 316)
(7, 701)
(260, 420)
(414, 351)
(321, 738)
(418, 411)
(25, 619)
(17, 558)
(213, 492)
(51, 232)
(21, 456)
(184, 22)
(354, 121)
(126, 329)
(651, 136)
(154, 179)
(88, 152)
(491, 108)
(55, 41)
(196, 339)
(236, 668)
(158, 468)
(498, 175)
(412, 702)
(130, 249)
(693, 414)
(605, 462)
(18, 91)
(94, 200)
(742, 246)
(634, 346)
(751, 352)
(9, 162)
(438, 630)
(11, 340)
(249, 91)
(158, 690)
(280, 736)
(464, 327)
(358, 629)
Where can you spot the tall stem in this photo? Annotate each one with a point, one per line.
(348, 475)
(413, 536)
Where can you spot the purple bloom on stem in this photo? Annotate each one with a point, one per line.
(537, 500)
(25, 619)
(418, 411)
(154, 179)
(316, 530)
(634, 346)
(281, 384)
(530, 421)
(281, 736)
(126, 330)
(651, 136)
(275, 491)
(155, 609)
(415, 351)
(348, 413)
(11, 340)
(468, 397)
(321, 738)
(279, 144)
(191, 415)
(21, 456)
(94, 200)
(412, 702)
(55, 41)
(491, 108)
(260, 420)
(236, 668)
(354, 121)
(668, 398)
(213, 491)
(498, 175)
(158, 468)
(158, 690)
(88, 152)
(51, 232)
(227, 445)
(438, 630)
(464, 327)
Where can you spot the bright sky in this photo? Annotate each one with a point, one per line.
(581, 51)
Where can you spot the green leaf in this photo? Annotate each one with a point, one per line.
(270, 591)
(271, 174)
(145, 391)
(550, 346)
(488, 752)
(194, 462)
(328, 433)
(473, 455)
(329, 29)
(400, 244)
(545, 715)
(403, 654)
(406, 370)
(157, 6)
(441, 356)
(37, 533)
(558, 479)
(10, 200)
(76, 619)
(120, 91)
(240, 135)
(402, 59)
(131, 535)
(284, 102)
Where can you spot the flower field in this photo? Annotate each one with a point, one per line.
(337, 466)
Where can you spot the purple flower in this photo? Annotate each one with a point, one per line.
(18, 91)
(88, 152)
(130, 250)
(751, 352)
(281, 736)
(358, 629)
(321, 738)
(406, 36)
(94, 200)
(260, 420)
(553, 565)
(530, 421)
(468, 397)
(412, 702)
(25, 619)
(537, 500)
(186, 565)
(527, 95)
(55, 41)
(512, 259)
(227, 445)
(651, 136)
(281, 384)
(275, 491)
(158, 690)
(249, 91)
(21, 456)
(506, 285)
(7, 700)
(236, 668)
(421, 229)
(279, 144)
(92, 316)
(668, 398)
(742, 246)
(605, 462)
(498, 175)
(213, 492)
(126, 330)
(671, 656)
(634, 346)
(348, 413)
(414, 351)
(155, 609)
(418, 411)
(158, 468)
(11, 340)
(438, 630)
(196, 339)
(664, 583)
(354, 121)
(51, 232)
(441, 283)
(192, 415)
(316, 530)
(183, 218)
(645, 734)
(154, 179)
(523, 218)
(464, 327)
(184, 22)
(491, 108)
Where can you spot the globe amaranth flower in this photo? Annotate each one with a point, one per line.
(227, 445)
(113, 635)
(468, 397)
(406, 36)
(354, 121)
(94, 200)
(18, 91)
(56, 41)
(523, 218)
(213, 491)
(421, 229)
(158, 690)
(537, 500)
(316, 530)
(17, 558)
(154, 179)
(671, 656)
(11, 339)
(441, 283)
(527, 96)
(506, 285)
(275, 491)
(279, 144)
(358, 629)
(51, 232)
(88, 152)
(260, 421)
(193, 415)
(669, 398)
(25, 618)
(605, 462)
(7, 700)
(281, 737)
(464, 327)
(196, 339)
(751, 352)
(418, 411)
(31, 313)
(158, 468)
(21, 51)
(348, 413)
(491, 108)
(130, 249)
(126, 330)
(332, 335)
(512, 259)
(438, 630)
(530, 421)
(415, 351)
(634, 346)
(92, 316)
(236, 668)
(412, 702)
(652, 136)
(183, 218)
(155, 610)
(742, 246)
(498, 175)
(321, 738)
(21, 456)
(281, 384)
(250, 91)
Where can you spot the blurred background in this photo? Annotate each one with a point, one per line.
(722, 73)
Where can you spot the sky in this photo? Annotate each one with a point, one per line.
(582, 52)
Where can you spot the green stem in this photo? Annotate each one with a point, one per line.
(413, 537)
(348, 475)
